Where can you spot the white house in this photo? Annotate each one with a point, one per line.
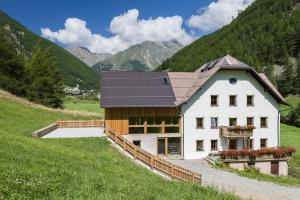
(223, 105)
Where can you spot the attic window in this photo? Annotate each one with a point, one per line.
(165, 80)
(232, 80)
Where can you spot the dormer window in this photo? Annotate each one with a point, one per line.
(232, 80)
(165, 80)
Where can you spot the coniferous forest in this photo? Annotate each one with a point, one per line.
(36, 77)
(267, 33)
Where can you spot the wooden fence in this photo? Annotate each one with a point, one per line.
(80, 123)
(152, 161)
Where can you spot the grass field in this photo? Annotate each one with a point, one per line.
(89, 168)
(290, 136)
(293, 101)
(73, 103)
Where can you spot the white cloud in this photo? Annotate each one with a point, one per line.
(126, 30)
(217, 14)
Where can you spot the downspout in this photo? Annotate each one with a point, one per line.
(182, 135)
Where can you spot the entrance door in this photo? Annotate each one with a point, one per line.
(274, 168)
(233, 144)
(161, 150)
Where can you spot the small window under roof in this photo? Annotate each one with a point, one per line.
(165, 80)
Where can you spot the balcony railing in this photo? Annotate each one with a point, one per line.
(236, 131)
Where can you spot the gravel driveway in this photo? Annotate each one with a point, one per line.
(244, 187)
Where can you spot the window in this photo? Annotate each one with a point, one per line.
(165, 80)
(250, 121)
(263, 143)
(232, 121)
(214, 100)
(172, 120)
(136, 130)
(159, 124)
(251, 143)
(250, 100)
(232, 80)
(263, 122)
(154, 130)
(214, 145)
(136, 120)
(232, 100)
(199, 145)
(172, 129)
(199, 122)
(214, 122)
(137, 142)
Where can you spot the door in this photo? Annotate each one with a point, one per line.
(233, 144)
(274, 168)
(161, 150)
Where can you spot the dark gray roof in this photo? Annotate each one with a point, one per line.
(135, 89)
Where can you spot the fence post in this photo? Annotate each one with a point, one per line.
(193, 177)
(135, 152)
(151, 162)
(172, 170)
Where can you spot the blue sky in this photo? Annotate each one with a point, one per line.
(90, 22)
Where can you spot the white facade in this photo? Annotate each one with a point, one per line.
(199, 106)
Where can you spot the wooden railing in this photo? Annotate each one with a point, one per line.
(240, 131)
(80, 123)
(152, 161)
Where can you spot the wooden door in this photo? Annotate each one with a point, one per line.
(274, 168)
(161, 150)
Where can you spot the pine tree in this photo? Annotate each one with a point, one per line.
(285, 82)
(297, 77)
(45, 81)
(11, 66)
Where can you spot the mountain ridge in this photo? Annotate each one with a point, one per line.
(72, 69)
(86, 56)
(140, 57)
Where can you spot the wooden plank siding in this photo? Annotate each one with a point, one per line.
(117, 118)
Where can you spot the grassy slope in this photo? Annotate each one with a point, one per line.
(73, 70)
(293, 101)
(83, 105)
(74, 168)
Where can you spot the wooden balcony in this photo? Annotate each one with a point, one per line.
(236, 131)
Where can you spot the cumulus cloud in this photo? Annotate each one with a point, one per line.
(126, 29)
(217, 14)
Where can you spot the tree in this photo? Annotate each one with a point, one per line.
(294, 116)
(285, 82)
(45, 81)
(11, 66)
(297, 77)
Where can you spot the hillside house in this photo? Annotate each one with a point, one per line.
(223, 105)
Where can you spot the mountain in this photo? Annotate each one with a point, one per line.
(72, 69)
(267, 33)
(87, 56)
(140, 57)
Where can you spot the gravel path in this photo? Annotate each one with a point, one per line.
(244, 187)
(76, 132)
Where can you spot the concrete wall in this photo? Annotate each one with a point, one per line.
(283, 168)
(199, 106)
(264, 167)
(239, 166)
